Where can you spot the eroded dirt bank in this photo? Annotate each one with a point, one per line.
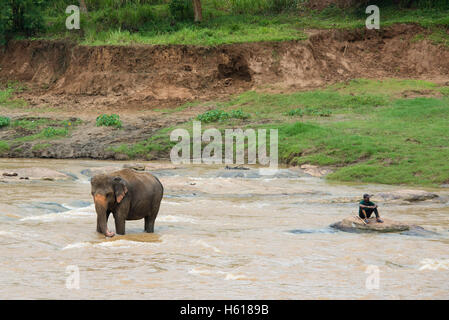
(134, 81)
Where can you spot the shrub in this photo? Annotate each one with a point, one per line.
(220, 115)
(4, 121)
(181, 10)
(213, 116)
(20, 17)
(112, 120)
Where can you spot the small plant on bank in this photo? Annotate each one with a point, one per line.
(4, 122)
(112, 120)
(295, 112)
(239, 114)
(220, 115)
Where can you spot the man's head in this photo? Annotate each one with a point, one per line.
(366, 196)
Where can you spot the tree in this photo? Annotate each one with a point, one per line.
(197, 10)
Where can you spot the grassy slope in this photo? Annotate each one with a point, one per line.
(373, 133)
(152, 24)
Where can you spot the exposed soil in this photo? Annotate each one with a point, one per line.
(135, 81)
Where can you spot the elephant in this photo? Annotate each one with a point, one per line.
(128, 195)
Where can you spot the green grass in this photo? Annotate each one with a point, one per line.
(32, 129)
(46, 133)
(232, 21)
(7, 100)
(4, 146)
(371, 135)
(159, 143)
(41, 146)
(4, 121)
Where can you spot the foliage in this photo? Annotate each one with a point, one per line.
(220, 115)
(20, 17)
(181, 9)
(4, 121)
(112, 120)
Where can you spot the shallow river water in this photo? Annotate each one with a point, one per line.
(220, 234)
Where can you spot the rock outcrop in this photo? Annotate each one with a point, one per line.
(355, 224)
(32, 174)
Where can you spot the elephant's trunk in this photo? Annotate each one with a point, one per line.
(102, 224)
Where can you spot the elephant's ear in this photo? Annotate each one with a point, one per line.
(120, 189)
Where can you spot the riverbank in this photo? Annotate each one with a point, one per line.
(371, 105)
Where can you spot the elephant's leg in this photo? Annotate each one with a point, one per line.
(120, 225)
(149, 224)
(149, 220)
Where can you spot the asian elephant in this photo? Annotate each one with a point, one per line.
(128, 195)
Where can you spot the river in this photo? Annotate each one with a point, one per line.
(220, 234)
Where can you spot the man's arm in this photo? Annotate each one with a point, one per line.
(369, 207)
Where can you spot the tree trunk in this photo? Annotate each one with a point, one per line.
(198, 11)
(83, 7)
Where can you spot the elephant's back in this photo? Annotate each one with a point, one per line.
(142, 182)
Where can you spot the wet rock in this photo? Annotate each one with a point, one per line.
(236, 168)
(315, 171)
(34, 174)
(312, 231)
(355, 224)
(7, 174)
(102, 170)
(407, 195)
(134, 166)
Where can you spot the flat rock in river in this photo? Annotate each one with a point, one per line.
(407, 195)
(355, 224)
(32, 174)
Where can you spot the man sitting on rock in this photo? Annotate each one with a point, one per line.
(366, 208)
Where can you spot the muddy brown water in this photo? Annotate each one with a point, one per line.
(220, 234)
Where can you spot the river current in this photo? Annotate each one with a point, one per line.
(220, 234)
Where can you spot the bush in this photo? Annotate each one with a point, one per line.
(20, 17)
(129, 18)
(112, 120)
(4, 121)
(220, 115)
(181, 10)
